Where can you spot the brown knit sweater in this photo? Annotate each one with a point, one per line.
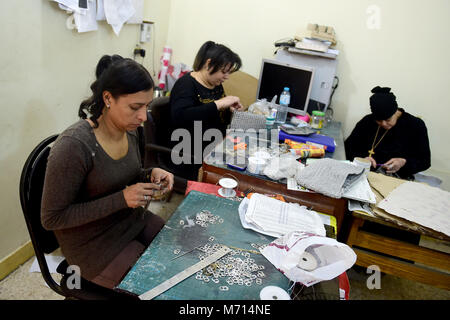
(83, 200)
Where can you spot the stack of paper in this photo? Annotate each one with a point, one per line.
(421, 204)
(360, 190)
(313, 45)
(276, 218)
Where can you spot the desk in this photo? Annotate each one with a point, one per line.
(212, 172)
(156, 264)
(334, 130)
(372, 249)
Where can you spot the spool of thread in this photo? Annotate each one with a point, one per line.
(227, 185)
(256, 165)
(362, 162)
(273, 293)
(307, 262)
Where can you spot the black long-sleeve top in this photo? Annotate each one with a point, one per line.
(190, 101)
(408, 139)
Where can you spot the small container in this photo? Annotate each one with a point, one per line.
(158, 194)
(270, 120)
(317, 119)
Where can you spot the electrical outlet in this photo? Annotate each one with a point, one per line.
(139, 51)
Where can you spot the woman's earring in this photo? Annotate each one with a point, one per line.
(108, 106)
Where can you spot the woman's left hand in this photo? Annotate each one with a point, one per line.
(236, 107)
(162, 176)
(394, 165)
(228, 102)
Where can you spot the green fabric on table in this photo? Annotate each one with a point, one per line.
(156, 264)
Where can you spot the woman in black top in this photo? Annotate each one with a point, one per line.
(390, 137)
(198, 100)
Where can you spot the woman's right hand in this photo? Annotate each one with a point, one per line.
(139, 194)
(228, 101)
(373, 163)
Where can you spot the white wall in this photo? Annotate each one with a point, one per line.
(46, 71)
(409, 53)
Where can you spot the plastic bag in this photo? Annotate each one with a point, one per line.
(284, 166)
(309, 258)
(260, 107)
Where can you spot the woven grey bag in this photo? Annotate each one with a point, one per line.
(328, 176)
(246, 120)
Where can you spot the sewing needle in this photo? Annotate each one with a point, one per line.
(185, 253)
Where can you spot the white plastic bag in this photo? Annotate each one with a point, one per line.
(289, 252)
(260, 107)
(284, 166)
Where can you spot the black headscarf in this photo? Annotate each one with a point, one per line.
(383, 103)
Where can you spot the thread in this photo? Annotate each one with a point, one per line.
(307, 262)
(228, 186)
(273, 293)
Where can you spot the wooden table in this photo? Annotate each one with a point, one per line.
(212, 173)
(384, 252)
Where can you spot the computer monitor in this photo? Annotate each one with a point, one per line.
(276, 75)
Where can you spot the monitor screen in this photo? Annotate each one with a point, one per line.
(276, 75)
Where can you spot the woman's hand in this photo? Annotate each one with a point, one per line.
(236, 107)
(228, 102)
(394, 165)
(162, 177)
(372, 161)
(139, 194)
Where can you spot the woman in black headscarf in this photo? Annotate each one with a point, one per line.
(390, 137)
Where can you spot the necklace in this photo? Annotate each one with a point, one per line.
(200, 78)
(371, 152)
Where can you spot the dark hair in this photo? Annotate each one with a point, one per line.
(117, 75)
(220, 56)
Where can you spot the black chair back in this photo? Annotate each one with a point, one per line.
(160, 113)
(30, 191)
(157, 133)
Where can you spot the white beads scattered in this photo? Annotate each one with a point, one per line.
(236, 268)
(205, 217)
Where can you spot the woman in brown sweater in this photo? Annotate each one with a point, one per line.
(95, 189)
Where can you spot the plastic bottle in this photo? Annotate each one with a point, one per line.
(285, 99)
(270, 119)
(317, 119)
(273, 109)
